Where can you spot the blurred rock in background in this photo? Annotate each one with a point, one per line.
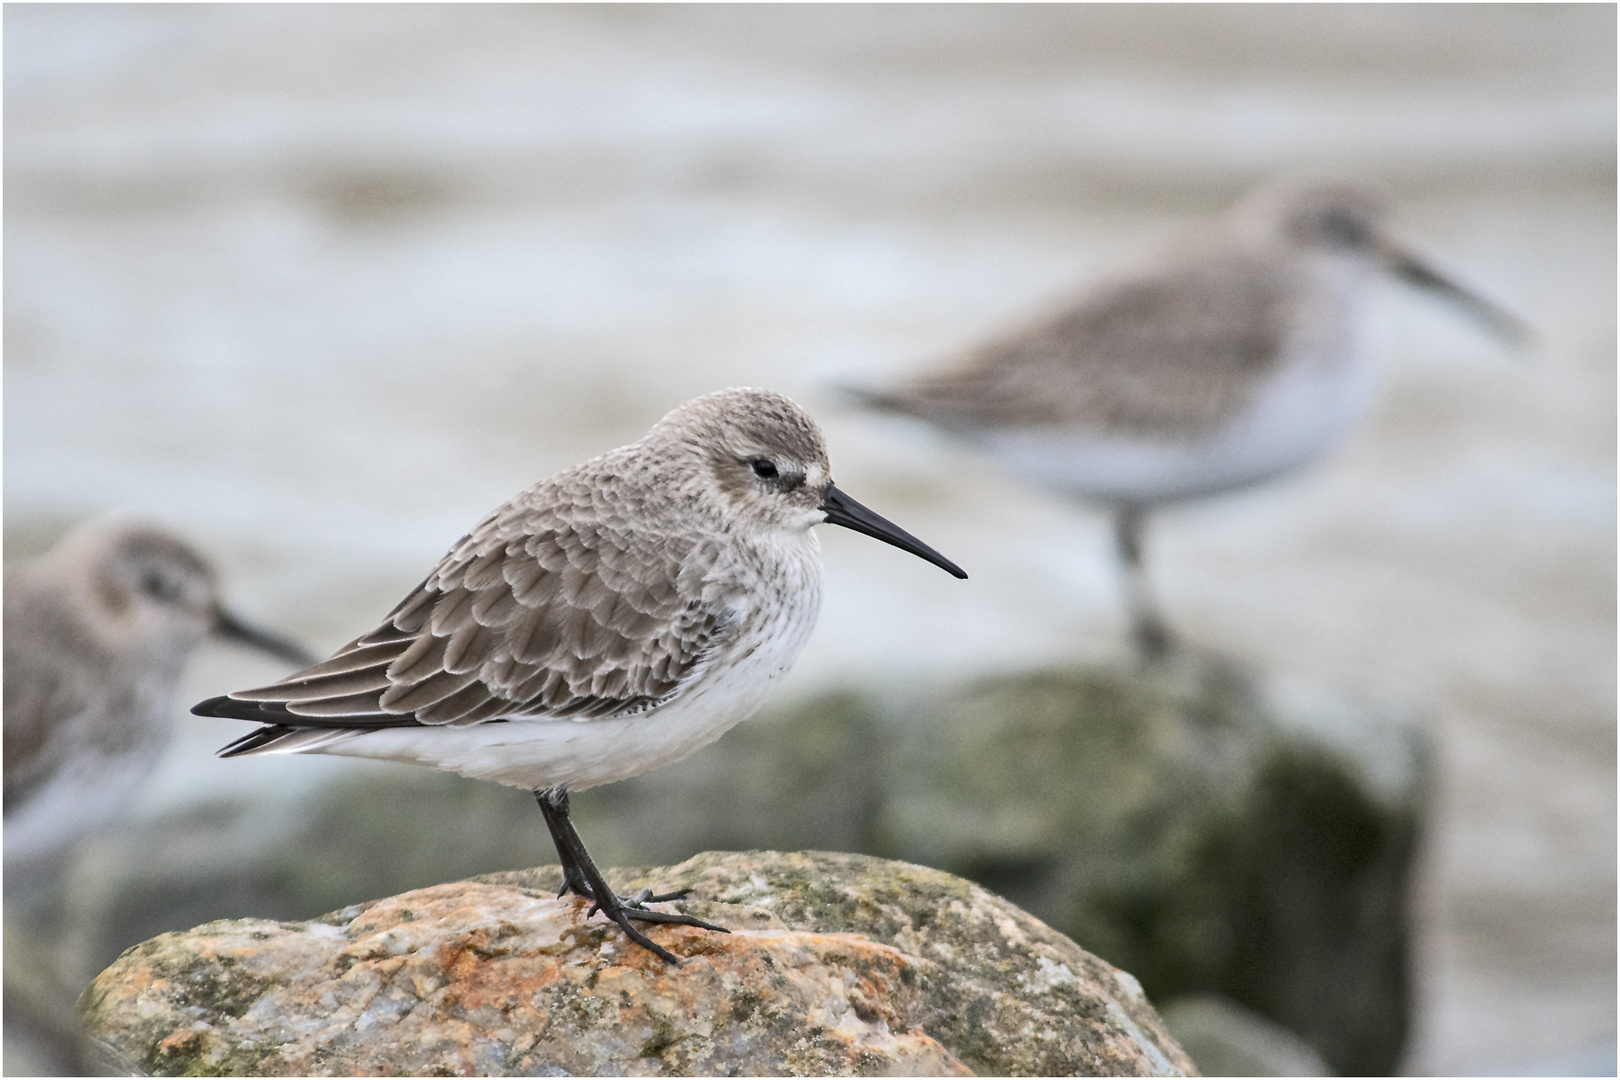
(1228, 1040)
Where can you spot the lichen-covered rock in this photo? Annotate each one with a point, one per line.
(837, 965)
(1008, 995)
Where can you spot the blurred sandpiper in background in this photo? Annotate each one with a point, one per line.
(317, 285)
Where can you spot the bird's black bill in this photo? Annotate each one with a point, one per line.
(843, 510)
(231, 628)
(1414, 272)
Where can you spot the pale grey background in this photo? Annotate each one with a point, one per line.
(321, 285)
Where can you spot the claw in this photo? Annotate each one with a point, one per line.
(664, 898)
(644, 941)
(675, 918)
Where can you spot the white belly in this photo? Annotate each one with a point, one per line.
(99, 775)
(91, 791)
(1291, 421)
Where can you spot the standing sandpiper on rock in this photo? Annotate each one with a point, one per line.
(96, 634)
(608, 620)
(1231, 360)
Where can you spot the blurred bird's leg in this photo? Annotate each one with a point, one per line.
(1148, 628)
(582, 878)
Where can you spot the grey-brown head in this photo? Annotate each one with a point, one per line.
(1324, 214)
(149, 592)
(1340, 218)
(768, 460)
(96, 634)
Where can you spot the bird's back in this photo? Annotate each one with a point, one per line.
(1171, 351)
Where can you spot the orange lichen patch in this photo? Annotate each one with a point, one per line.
(181, 1042)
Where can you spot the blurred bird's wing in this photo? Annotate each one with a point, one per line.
(532, 614)
(36, 707)
(1208, 324)
(49, 679)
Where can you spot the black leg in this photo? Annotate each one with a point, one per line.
(1148, 628)
(554, 806)
(582, 878)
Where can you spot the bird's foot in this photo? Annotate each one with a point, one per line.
(623, 909)
(580, 887)
(647, 896)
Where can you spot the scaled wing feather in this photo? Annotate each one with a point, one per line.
(524, 618)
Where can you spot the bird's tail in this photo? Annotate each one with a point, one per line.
(871, 398)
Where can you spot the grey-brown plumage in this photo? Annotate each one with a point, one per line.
(1235, 357)
(97, 632)
(1170, 354)
(612, 618)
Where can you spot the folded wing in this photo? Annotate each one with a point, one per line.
(530, 615)
(1102, 362)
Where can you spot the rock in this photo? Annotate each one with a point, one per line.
(1225, 1039)
(837, 964)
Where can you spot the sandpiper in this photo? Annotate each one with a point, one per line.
(1230, 360)
(608, 620)
(96, 634)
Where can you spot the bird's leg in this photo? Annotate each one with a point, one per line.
(1148, 628)
(582, 878)
(554, 801)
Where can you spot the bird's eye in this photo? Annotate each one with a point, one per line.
(1342, 228)
(764, 468)
(158, 586)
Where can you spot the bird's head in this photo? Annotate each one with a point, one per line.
(768, 460)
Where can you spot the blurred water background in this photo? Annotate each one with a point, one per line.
(320, 285)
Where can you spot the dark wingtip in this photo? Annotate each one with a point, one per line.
(868, 397)
(253, 740)
(212, 707)
(229, 708)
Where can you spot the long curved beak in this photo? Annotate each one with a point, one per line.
(1414, 271)
(843, 510)
(230, 628)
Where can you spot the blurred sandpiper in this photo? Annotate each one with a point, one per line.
(608, 620)
(97, 632)
(1230, 360)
